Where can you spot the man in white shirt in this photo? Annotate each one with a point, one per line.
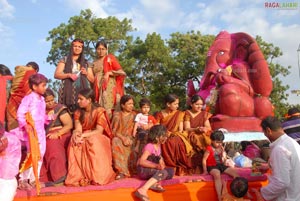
(284, 182)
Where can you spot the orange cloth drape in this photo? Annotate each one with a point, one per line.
(34, 155)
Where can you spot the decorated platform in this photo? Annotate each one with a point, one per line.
(183, 188)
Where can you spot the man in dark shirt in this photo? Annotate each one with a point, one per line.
(291, 125)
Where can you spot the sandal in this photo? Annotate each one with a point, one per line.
(157, 188)
(141, 196)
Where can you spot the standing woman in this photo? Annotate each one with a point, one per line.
(89, 152)
(58, 133)
(109, 79)
(196, 123)
(75, 74)
(176, 151)
(123, 141)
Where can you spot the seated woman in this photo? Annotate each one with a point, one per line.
(54, 168)
(89, 152)
(123, 141)
(176, 151)
(196, 122)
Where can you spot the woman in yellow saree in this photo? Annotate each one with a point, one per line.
(176, 151)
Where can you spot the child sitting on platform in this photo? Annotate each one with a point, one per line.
(151, 165)
(214, 158)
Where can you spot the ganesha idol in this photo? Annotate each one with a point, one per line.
(236, 83)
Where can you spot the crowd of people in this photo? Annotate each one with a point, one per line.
(91, 134)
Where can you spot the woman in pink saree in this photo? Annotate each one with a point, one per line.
(89, 153)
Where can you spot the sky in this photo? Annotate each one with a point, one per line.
(25, 25)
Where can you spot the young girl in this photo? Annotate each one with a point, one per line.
(33, 104)
(142, 123)
(213, 161)
(151, 165)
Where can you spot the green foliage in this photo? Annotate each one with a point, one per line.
(90, 29)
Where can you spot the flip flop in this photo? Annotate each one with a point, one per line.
(141, 197)
(157, 188)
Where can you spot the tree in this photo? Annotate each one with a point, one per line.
(147, 75)
(189, 53)
(90, 29)
(279, 94)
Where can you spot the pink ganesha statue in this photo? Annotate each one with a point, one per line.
(236, 83)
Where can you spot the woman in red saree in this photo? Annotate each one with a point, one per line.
(108, 80)
(89, 152)
(54, 168)
(196, 123)
(176, 151)
(123, 141)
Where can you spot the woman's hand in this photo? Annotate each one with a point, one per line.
(73, 76)
(126, 141)
(83, 71)
(107, 75)
(53, 135)
(77, 137)
(161, 166)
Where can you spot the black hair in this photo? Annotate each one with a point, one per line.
(239, 187)
(101, 42)
(88, 94)
(81, 60)
(170, 98)
(34, 65)
(155, 132)
(125, 98)
(217, 135)
(49, 92)
(195, 98)
(4, 70)
(144, 101)
(270, 122)
(37, 79)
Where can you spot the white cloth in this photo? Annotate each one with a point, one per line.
(244, 136)
(8, 189)
(284, 182)
(141, 119)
